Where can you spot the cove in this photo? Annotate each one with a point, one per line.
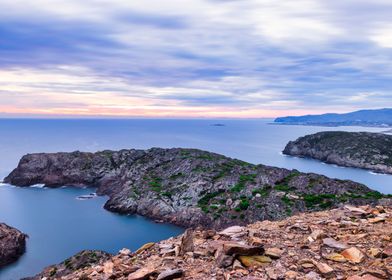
(59, 225)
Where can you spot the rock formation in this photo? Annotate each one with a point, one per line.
(372, 151)
(79, 261)
(12, 244)
(190, 187)
(353, 243)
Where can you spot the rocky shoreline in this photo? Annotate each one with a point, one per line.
(12, 244)
(190, 187)
(371, 151)
(352, 243)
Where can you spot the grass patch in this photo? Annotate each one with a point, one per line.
(176, 176)
(156, 184)
(242, 182)
(244, 204)
(287, 201)
(321, 200)
(282, 188)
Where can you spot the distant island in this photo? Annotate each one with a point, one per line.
(372, 151)
(190, 187)
(372, 118)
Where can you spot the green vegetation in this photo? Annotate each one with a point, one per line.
(283, 185)
(225, 169)
(244, 204)
(242, 182)
(287, 201)
(264, 192)
(283, 188)
(176, 176)
(156, 184)
(68, 264)
(312, 183)
(205, 156)
(167, 194)
(53, 272)
(204, 202)
(320, 200)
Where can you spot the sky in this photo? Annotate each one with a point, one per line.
(193, 58)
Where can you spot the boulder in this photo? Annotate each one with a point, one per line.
(12, 244)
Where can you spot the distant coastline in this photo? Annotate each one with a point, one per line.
(365, 118)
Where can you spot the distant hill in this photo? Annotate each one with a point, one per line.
(380, 118)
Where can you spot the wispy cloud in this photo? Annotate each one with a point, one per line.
(240, 58)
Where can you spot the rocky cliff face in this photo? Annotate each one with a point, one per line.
(190, 187)
(372, 151)
(12, 244)
(347, 243)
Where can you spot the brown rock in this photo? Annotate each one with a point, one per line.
(144, 247)
(335, 257)
(353, 255)
(291, 274)
(187, 242)
(274, 253)
(207, 234)
(388, 251)
(317, 234)
(234, 230)
(370, 277)
(376, 220)
(355, 209)
(170, 274)
(374, 252)
(255, 241)
(234, 248)
(142, 274)
(330, 242)
(324, 269)
(254, 261)
(222, 259)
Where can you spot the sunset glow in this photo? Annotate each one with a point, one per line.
(230, 59)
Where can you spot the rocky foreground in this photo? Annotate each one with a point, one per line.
(372, 151)
(353, 243)
(190, 187)
(12, 244)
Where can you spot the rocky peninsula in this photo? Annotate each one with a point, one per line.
(190, 187)
(12, 244)
(372, 151)
(351, 243)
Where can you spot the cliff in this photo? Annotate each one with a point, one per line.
(12, 244)
(346, 243)
(372, 151)
(190, 187)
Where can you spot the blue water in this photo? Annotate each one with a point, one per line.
(59, 225)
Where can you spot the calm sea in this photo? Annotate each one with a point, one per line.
(59, 225)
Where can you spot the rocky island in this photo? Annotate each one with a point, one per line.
(190, 187)
(372, 151)
(351, 243)
(12, 244)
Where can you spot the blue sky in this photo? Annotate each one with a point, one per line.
(194, 58)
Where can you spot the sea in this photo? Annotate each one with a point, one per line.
(60, 225)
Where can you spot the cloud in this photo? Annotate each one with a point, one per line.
(194, 58)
